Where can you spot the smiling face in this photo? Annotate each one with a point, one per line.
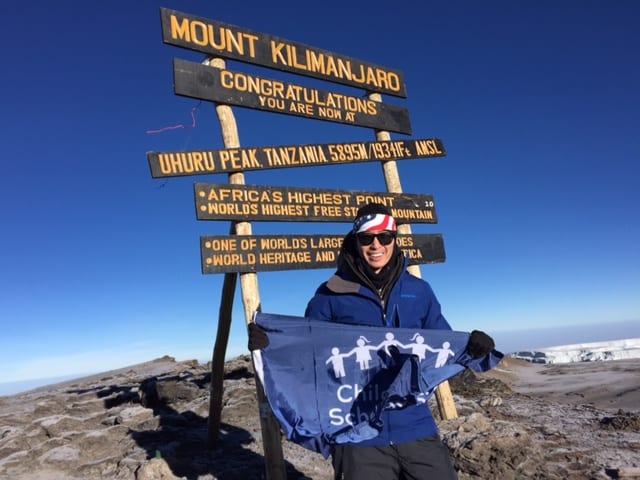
(376, 254)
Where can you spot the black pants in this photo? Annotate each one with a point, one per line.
(423, 459)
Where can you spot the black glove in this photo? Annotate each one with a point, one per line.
(480, 344)
(257, 337)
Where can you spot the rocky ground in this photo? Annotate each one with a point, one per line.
(149, 422)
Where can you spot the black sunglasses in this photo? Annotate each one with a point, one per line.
(384, 238)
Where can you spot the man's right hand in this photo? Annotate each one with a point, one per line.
(257, 337)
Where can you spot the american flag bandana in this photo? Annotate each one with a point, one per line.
(375, 221)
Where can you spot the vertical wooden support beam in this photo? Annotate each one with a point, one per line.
(446, 405)
(271, 437)
(216, 389)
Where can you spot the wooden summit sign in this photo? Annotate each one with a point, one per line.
(242, 252)
(286, 204)
(228, 160)
(256, 253)
(228, 87)
(219, 39)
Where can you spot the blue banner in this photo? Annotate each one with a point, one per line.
(328, 383)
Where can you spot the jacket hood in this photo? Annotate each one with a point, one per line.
(353, 267)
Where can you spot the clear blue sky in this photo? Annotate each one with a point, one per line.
(537, 104)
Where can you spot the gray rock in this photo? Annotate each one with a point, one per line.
(149, 422)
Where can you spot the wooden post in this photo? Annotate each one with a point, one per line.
(446, 406)
(271, 436)
(216, 389)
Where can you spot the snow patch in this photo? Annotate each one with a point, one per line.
(583, 352)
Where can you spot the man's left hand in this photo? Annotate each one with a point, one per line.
(480, 344)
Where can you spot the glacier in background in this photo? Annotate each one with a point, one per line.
(583, 352)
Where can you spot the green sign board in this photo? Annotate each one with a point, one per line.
(229, 160)
(228, 87)
(288, 204)
(261, 253)
(223, 40)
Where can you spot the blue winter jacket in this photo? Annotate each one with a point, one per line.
(411, 304)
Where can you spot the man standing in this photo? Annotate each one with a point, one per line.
(372, 287)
